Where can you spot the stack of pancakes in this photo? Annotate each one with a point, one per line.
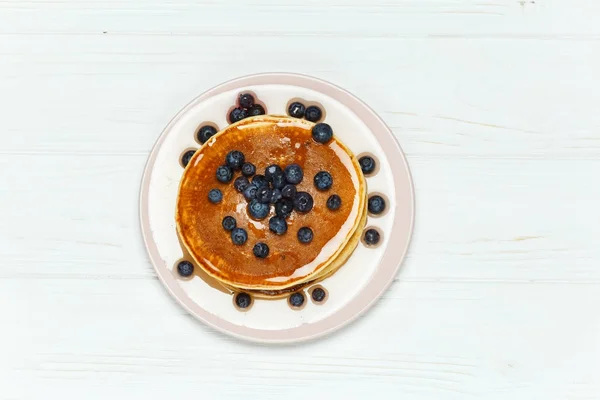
(290, 265)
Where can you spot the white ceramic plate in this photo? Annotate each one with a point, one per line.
(351, 290)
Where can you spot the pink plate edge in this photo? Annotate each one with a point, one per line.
(393, 256)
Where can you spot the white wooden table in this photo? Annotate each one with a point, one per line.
(495, 102)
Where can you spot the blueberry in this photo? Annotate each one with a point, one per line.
(235, 159)
(241, 183)
(185, 268)
(305, 235)
(275, 196)
(376, 204)
(224, 174)
(322, 132)
(274, 175)
(258, 210)
(250, 192)
(256, 109)
(243, 300)
(264, 195)
(296, 300)
(260, 181)
(288, 191)
(367, 164)
(278, 225)
(303, 202)
(272, 170)
(318, 294)
(296, 110)
(248, 169)
(186, 157)
(246, 100)
(284, 207)
(239, 236)
(237, 114)
(313, 113)
(372, 237)
(293, 174)
(278, 180)
(229, 223)
(261, 250)
(205, 133)
(215, 196)
(323, 180)
(334, 202)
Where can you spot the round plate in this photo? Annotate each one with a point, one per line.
(352, 289)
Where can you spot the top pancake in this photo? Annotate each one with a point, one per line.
(267, 140)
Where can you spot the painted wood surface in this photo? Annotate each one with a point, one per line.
(494, 102)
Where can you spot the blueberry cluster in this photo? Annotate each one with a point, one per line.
(274, 190)
(246, 107)
(375, 204)
(296, 300)
(299, 110)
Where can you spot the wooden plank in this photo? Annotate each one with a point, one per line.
(561, 19)
(484, 98)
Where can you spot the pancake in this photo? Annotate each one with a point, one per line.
(290, 265)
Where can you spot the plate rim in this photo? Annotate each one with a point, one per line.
(389, 265)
